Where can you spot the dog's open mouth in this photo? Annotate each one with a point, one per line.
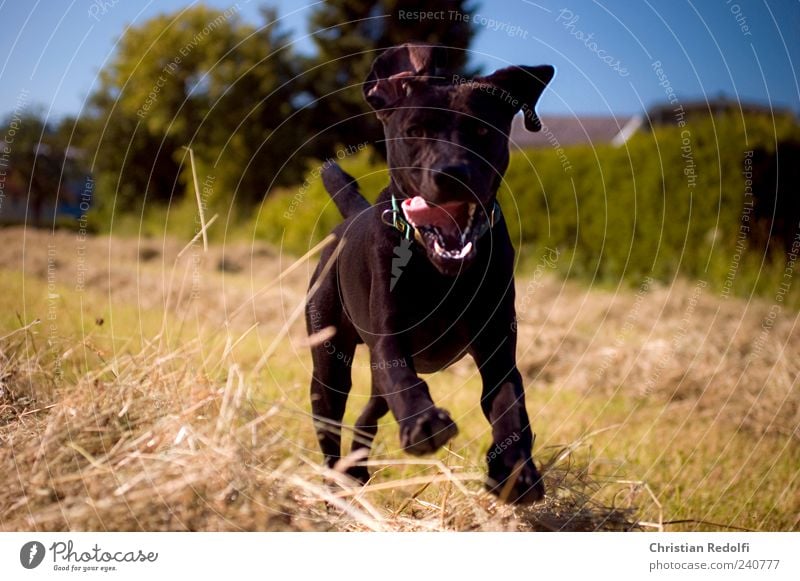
(450, 230)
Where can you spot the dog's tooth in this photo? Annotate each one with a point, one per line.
(472, 210)
(437, 247)
(465, 250)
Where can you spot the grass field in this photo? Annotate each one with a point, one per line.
(140, 390)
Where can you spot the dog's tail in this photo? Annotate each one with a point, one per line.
(343, 189)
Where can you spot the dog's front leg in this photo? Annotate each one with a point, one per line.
(512, 472)
(424, 428)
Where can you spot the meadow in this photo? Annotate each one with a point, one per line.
(148, 384)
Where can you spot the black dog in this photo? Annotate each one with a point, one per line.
(425, 275)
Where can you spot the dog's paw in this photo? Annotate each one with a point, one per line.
(427, 432)
(358, 473)
(520, 484)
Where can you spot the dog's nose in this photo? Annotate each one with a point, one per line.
(453, 177)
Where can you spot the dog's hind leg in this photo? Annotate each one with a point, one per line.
(365, 429)
(333, 360)
(330, 386)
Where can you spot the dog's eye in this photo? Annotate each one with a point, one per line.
(482, 130)
(415, 131)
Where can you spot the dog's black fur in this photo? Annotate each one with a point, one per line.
(446, 142)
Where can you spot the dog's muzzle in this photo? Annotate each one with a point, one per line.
(449, 232)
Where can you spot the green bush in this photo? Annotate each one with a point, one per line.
(616, 214)
(621, 214)
(297, 218)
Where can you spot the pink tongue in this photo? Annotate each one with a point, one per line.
(444, 217)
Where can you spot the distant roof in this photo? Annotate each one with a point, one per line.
(562, 131)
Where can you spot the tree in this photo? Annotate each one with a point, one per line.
(40, 168)
(349, 35)
(202, 78)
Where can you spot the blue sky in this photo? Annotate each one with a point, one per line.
(604, 50)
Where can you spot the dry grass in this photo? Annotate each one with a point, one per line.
(142, 443)
(139, 409)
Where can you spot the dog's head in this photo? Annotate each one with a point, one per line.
(447, 142)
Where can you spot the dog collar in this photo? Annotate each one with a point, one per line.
(394, 217)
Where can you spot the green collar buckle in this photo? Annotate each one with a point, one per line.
(397, 220)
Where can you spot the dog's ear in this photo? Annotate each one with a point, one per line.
(395, 73)
(522, 87)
